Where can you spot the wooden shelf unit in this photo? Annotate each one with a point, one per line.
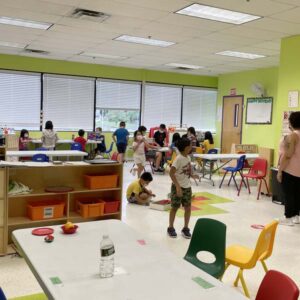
(13, 208)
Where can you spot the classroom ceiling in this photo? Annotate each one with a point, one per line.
(196, 40)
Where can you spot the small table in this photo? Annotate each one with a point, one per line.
(68, 268)
(211, 158)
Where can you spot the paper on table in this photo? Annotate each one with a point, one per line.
(203, 283)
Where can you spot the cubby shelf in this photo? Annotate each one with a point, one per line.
(15, 206)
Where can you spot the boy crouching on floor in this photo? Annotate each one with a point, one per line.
(137, 192)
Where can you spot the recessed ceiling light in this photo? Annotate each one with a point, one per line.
(241, 54)
(217, 14)
(102, 55)
(184, 66)
(25, 23)
(13, 45)
(145, 41)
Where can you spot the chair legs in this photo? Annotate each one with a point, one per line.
(264, 266)
(223, 179)
(239, 277)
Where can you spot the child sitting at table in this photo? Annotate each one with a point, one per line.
(100, 138)
(80, 139)
(208, 141)
(24, 140)
(137, 191)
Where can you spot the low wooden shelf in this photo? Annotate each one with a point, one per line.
(13, 208)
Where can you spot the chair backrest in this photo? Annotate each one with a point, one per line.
(76, 146)
(199, 150)
(41, 149)
(212, 151)
(40, 157)
(246, 163)
(240, 163)
(277, 286)
(110, 147)
(209, 235)
(259, 167)
(2, 296)
(265, 242)
(173, 157)
(115, 156)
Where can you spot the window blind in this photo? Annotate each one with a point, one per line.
(199, 108)
(20, 100)
(162, 104)
(118, 94)
(68, 102)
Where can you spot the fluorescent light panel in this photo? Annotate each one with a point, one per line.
(13, 45)
(241, 54)
(144, 41)
(102, 55)
(179, 65)
(24, 23)
(217, 14)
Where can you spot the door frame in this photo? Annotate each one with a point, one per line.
(242, 110)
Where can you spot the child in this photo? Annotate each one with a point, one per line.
(49, 137)
(138, 147)
(120, 137)
(80, 139)
(191, 135)
(137, 192)
(24, 140)
(181, 192)
(208, 141)
(175, 139)
(100, 138)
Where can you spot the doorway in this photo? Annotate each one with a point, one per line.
(231, 122)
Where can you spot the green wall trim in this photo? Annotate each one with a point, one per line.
(24, 63)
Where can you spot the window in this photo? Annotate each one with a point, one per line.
(162, 104)
(20, 100)
(199, 108)
(69, 102)
(117, 101)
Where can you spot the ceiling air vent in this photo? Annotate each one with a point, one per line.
(90, 15)
(36, 51)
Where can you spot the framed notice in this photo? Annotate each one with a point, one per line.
(259, 110)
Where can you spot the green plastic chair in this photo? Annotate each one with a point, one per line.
(208, 235)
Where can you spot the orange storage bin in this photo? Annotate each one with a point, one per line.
(88, 208)
(101, 181)
(46, 209)
(111, 206)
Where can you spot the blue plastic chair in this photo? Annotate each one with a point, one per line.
(42, 149)
(234, 170)
(2, 296)
(76, 146)
(40, 157)
(107, 152)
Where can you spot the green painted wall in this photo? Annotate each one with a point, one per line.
(263, 135)
(15, 62)
(288, 79)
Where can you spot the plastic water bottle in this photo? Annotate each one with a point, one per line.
(107, 263)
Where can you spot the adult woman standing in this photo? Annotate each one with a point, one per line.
(289, 172)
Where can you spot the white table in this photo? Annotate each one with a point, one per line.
(163, 149)
(67, 142)
(148, 272)
(211, 158)
(49, 153)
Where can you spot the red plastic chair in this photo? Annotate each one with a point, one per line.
(258, 172)
(114, 156)
(277, 286)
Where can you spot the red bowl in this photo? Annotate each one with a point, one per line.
(69, 230)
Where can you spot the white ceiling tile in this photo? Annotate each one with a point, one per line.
(292, 2)
(273, 45)
(291, 15)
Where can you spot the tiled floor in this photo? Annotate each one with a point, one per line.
(16, 278)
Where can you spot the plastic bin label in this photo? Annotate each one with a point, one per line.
(48, 212)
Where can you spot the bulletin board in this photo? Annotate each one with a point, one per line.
(259, 110)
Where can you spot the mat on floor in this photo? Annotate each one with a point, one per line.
(40, 296)
(202, 205)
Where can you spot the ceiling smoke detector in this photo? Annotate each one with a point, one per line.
(90, 15)
(36, 51)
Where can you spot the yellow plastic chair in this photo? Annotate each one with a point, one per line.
(169, 162)
(246, 258)
(199, 150)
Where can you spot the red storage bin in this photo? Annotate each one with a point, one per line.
(111, 206)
